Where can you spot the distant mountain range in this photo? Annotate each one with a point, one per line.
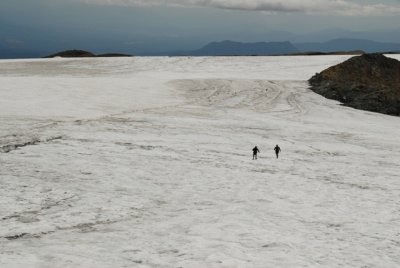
(346, 44)
(231, 48)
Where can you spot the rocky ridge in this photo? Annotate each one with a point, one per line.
(369, 82)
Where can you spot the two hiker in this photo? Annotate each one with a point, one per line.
(277, 150)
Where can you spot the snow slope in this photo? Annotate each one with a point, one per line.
(146, 162)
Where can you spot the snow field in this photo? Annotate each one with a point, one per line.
(146, 162)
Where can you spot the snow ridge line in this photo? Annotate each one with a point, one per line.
(12, 147)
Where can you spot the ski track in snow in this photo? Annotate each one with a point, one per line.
(146, 162)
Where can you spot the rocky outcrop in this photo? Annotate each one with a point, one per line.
(113, 55)
(368, 82)
(72, 54)
(84, 54)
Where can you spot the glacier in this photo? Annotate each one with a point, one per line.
(147, 162)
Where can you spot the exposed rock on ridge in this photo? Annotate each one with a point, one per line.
(72, 54)
(84, 54)
(368, 82)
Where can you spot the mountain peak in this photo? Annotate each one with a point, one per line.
(234, 48)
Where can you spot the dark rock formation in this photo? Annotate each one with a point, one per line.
(368, 82)
(72, 54)
(113, 55)
(318, 53)
(84, 54)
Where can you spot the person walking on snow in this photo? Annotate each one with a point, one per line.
(255, 151)
(277, 151)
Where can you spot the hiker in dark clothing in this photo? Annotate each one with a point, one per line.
(277, 151)
(255, 151)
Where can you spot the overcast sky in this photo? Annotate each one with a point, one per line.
(341, 7)
(168, 24)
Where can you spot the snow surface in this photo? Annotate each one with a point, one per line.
(146, 162)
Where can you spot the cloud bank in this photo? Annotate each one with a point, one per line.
(338, 7)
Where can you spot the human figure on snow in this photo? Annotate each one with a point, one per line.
(277, 150)
(255, 151)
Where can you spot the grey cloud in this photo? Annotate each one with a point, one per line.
(341, 7)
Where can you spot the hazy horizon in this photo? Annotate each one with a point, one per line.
(134, 26)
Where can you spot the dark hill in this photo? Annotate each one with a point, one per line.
(368, 82)
(84, 54)
(72, 54)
